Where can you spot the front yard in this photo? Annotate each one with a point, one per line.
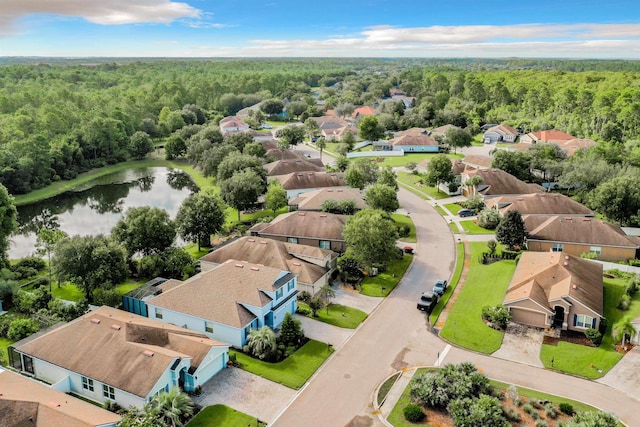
(382, 284)
(336, 314)
(470, 227)
(485, 285)
(433, 317)
(222, 415)
(405, 220)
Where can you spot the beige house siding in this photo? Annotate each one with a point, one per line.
(609, 253)
(579, 309)
(527, 317)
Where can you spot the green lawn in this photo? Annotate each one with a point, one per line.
(470, 227)
(67, 292)
(221, 415)
(292, 372)
(372, 286)
(485, 285)
(454, 228)
(411, 181)
(433, 317)
(406, 220)
(338, 315)
(4, 344)
(454, 208)
(128, 286)
(593, 362)
(192, 249)
(441, 211)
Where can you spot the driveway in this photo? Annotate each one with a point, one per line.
(521, 344)
(324, 332)
(245, 392)
(625, 375)
(353, 299)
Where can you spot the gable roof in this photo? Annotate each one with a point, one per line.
(572, 145)
(442, 130)
(547, 276)
(587, 231)
(312, 201)
(233, 123)
(120, 340)
(229, 119)
(363, 111)
(414, 136)
(552, 135)
(283, 154)
(503, 129)
(477, 161)
(218, 295)
(498, 182)
(330, 122)
(539, 204)
(309, 224)
(301, 180)
(285, 167)
(273, 253)
(25, 402)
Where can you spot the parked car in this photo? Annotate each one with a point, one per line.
(427, 302)
(466, 212)
(440, 287)
(266, 126)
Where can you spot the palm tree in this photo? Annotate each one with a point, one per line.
(171, 407)
(321, 143)
(473, 183)
(623, 328)
(262, 342)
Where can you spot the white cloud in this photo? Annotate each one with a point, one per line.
(104, 12)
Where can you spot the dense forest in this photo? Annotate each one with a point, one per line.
(63, 117)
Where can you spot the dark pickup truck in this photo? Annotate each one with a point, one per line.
(428, 301)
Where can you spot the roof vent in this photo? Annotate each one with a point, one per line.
(116, 327)
(329, 191)
(240, 265)
(148, 353)
(586, 219)
(299, 174)
(255, 268)
(251, 240)
(567, 218)
(339, 191)
(565, 263)
(297, 264)
(323, 215)
(301, 213)
(95, 320)
(520, 199)
(574, 286)
(263, 242)
(566, 257)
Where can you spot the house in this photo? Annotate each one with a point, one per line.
(233, 124)
(318, 229)
(109, 355)
(333, 128)
(25, 402)
(496, 182)
(548, 136)
(229, 300)
(442, 130)
(280, 154)
(313, 200)
(552, 289)
(285, 167)
(500, 133)
(397, 91)
(539, 204)
(477, 161)
(570, 147)
(313, 266)
(361, 112)
(408, 101)
(416, 140)
(297, 183)
(580, 235)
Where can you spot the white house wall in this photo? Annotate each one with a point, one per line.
(214, 362)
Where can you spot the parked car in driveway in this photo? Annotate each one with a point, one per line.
(440, 287)
(428, 301)
(466, 212)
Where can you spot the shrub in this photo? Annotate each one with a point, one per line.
(411, 166)
(110, 297)
(542, 423)
(528, 408)
(453, 382)
(632, 287)
(550, 411)
(589, 255)
(492, 246)
(303, 311)
(404, 230)
(304, 296)
(512, 414)
(498, 316)
(624, 302)
(489, 219)
(566, 408)
(413, 413)
(22, 328)
(537, 404)
(291, 333)
(30, 262)
(594, 336)
(473, 202)
(518, 401)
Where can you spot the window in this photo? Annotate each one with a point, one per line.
(596, 250)
(28, 364)
(325, 244)
(557, 247)
(208, 327)
(292, 239)
(290, 285)
(87, 383)
(582, 321)
(108, 392)
(158, 313)
(279, 293)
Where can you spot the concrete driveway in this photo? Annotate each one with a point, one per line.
(625, 375)
(521, 344)
(324, 332)
(245, 392)
(355, 300)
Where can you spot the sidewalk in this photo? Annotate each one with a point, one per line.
(396, 391)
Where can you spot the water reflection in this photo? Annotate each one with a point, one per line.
(98, 206)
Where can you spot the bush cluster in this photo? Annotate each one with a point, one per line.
(489, 219)
(594, 336)
(566, 408)
(497, 315)
(413, 413)
(624, 303)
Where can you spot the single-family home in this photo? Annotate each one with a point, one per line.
(110, 355)
(397, 91)
(25, 402)
(285, 167)
(333, 128)
(500, 133)
(361, 112)
(539, 204)
(283, 154)
(297, 183)
(416, 140)
(548, 136)
(227, 301)
(313, 200)
(556, 290)
(477, 161)
(233, 124)
(312, 265)
(580, 235)
(318, 229)
(442, 130)
(496, 182)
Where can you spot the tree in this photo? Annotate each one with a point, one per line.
(255, 149)
(236, 162)
(311, 128)
(276, 196)
(457, 137)
(321, 143)
(231, 103)
(326, 293)
(22, 328)
(140, 145)
(174, 147)
(201, 215)
(516, 163)
(291, 332)
(242, 190)
(618, 199)
(145, 229)
(290, 135)
(315, 304)
(295, 108)
(90, 262)
(623, 328)
(369, 129)
(272, 107)
(349, 139)
(381, 196)
(388, 177)
(342, 163)
(171, 408)
(361, 173)
(439, 170)
(489, 218)
(370, 236)
(472, 184)
(344, 109)
(46, 242)
(262, 342)
(511, 230)
(8, 222)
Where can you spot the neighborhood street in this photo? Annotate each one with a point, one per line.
(396, 336)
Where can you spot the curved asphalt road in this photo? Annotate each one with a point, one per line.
(396, 335)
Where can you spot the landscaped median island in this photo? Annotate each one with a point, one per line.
(222, 415)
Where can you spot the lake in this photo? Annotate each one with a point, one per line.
(96, 207)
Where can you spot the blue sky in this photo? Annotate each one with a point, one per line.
(371, 28)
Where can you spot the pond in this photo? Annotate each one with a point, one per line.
(96, 207)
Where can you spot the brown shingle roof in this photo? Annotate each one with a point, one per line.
(573, 145)
(363, 111)
(22, 399)
(330, 122)
(478, 161)
(312, 201)
(309, 224)
(218, 294)
(442, 130)
(285, 167)
(552, 135)
(539, 204)
(506, 129)
(272, 253)
(279, 154)
(497, 182)
(122, 363)
(301, 180)
(415, 140)
(587, 231)
(557, 275)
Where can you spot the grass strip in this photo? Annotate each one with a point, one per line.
(401, 220)
(433, 317)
